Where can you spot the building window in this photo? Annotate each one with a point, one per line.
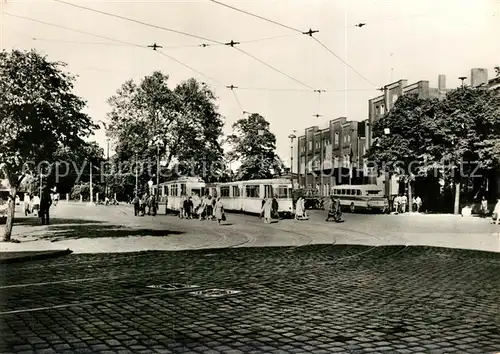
(236, 191)
(252, 191)
(224, 192)
(348, 138)
(382, 109)
(302, 164)
(336, 138)
(394, 99)
(310, 145)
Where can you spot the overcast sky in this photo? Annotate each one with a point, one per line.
(414, 40)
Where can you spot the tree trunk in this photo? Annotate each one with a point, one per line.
(457, 198)
(10, 215)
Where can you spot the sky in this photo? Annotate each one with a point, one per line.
(402, 39)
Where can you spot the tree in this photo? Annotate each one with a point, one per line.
(254, 145)
(405, 139)
(457, 137)
(150, 120)
(470, 118)
(40, 114)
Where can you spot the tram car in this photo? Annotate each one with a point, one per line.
(173, 191)
(241, 196)
(247, 196)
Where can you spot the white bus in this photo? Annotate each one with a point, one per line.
(361, 197)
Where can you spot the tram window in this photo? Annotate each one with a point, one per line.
(268, 191)
(236, 191)
(183, 189)
(174, 190)
(252, 191)
(358, 192)
(224, 192)
(348, 191)
(165, 190)
(373, 192)
(342, 191)
(282, 192)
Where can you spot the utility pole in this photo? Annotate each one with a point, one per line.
(136, 176)
(292, 138)
(106, 175)
(91, 188)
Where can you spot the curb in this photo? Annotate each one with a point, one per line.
(35, 256)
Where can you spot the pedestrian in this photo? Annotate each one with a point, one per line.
(27, 202)
(397, 201)
(404, 202)
(484, 207)
(275, 207)
(266, 210)
(202, 208)
(153, 204)
(414, 203)
(419, 204)
(262, 208)
(219, 213)
(45, 203)
(143, 203)
(136, 203)
(214, 201)
(209, 208)
(36, 205)
(332, 210)
(189, 209)
(299, 212)
(304, 213)
(496, 213)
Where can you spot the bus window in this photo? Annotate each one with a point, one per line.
(358, 192)
(342, 191)
(373, 192)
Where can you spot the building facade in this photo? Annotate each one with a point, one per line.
(332, 155)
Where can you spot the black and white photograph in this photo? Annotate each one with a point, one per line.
(249, 176)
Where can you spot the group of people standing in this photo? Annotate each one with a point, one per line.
(148, 201)
(40, 206)
(207, 207)
(300, 209)
(401, 202)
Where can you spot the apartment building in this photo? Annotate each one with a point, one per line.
(331, 155)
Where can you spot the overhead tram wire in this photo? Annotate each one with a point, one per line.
(138, 22)
(232, 87)
(76, 30)
(310, 33)
(114, 40)
(257, 16)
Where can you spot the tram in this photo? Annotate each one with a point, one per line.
(241, 196)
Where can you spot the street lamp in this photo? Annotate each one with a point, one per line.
(463, 78)
(292, 138)
(106, 191)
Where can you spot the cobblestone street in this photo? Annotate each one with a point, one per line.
(314, 299)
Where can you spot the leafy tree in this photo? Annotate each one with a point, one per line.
(150, 120)
(40, 114)
(254, 145)
(457, 137)
(470, 121)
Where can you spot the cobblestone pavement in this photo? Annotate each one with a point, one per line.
(312, 299)
(115, 229)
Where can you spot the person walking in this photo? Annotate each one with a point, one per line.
(299, 211)
(496, 213)
(266, 210)
(136, 202)
(45, 203)
(210, 208)
(404, 201)
(36, 205)
(484, 207)
(27, 206)
(219, 211)
(397, 202)
(202, 208)
(153, 204)
(419, 204)
(275, 207)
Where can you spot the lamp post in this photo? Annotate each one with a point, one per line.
(292, 138)
(463, 78)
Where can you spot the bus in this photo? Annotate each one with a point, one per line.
(361, 197)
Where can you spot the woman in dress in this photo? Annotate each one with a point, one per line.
(299, 211)
(266, 209)
(219, 211)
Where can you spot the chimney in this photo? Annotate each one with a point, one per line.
(478, 76)
(442, 83)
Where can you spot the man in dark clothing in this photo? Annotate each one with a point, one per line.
(45, 203)
(274, 208)
(135, 201)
